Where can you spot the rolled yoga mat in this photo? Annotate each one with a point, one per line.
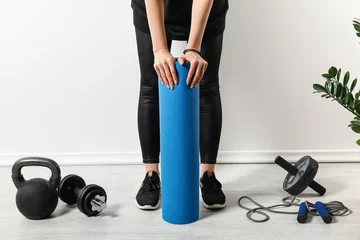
(179, 149)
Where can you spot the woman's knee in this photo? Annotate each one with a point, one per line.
(210, 90)
(149, 94)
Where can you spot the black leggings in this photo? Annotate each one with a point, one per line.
(210, 102)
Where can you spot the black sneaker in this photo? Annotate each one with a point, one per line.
(212, 195)
(148, 197)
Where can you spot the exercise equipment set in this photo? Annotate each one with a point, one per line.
(300, 176)
(37, 198)
(179, 149)
(90, 199)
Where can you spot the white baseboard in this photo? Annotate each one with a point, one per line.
(224, 157)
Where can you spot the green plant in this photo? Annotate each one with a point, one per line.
(356, 24)
(340, 89)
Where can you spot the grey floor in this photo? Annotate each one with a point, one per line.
(122, 220)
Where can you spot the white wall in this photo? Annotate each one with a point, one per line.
(69, 80)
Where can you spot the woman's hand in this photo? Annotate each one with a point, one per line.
(164, 64)
(197, 67)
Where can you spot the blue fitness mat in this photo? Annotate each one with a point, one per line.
(179, 146)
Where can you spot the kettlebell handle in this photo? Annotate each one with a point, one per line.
(18, 178)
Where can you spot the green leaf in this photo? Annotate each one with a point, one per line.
(338, 74)
(356, 102)
(357, 95)
(334, 89)
(324, 95)
(358, 142)
(327, 76)
(357, 108)
(343, 93)
(357, 27)
(339, 88)
(354, 124)
(333, 71)
(353, 85)
(350, 100)
(347, 98)
(329, 87)
(358, 34)
(356, 129)
(346, 78)
(319, 87)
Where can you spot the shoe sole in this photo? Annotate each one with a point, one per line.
(148, 207)
(214, 206)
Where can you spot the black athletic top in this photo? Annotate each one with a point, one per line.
(178, 18)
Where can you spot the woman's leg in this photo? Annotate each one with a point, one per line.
(210, 123)
(210, 103)
(148, 108)
(148, 123)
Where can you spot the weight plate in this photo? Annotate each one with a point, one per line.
(307, 169)
(86, 196)
(67, 184)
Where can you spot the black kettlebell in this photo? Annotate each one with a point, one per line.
(36, 198)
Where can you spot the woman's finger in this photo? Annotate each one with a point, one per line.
(193, 66)
(168, 75)
(202, 73)
(205, 66)
(197, 76)
(173, 73)
(204, 70)
(181, 60)
(163, 75)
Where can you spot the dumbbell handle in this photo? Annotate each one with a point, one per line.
(97, 203)
(286, 165)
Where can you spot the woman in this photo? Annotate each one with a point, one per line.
(201, 23)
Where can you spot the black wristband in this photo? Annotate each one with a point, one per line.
(191, 50)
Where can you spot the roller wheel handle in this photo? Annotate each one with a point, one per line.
(317, 188)
(286, 165)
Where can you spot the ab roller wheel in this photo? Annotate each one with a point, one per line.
(90, 199)
(300, 175)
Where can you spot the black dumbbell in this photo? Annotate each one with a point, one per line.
(300, 175)
(90, 199)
